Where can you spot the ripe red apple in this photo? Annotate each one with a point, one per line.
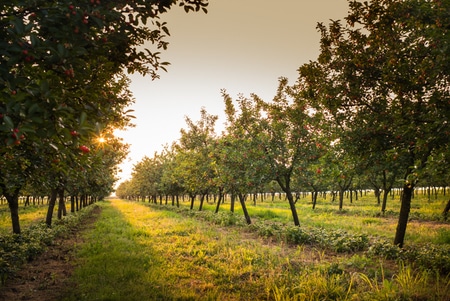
(69, 72)
(84, 149)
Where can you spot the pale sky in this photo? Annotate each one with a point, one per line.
(242, 46)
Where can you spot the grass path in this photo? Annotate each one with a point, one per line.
(138, 253)
(135, 253)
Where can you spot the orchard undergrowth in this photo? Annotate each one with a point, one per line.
(17, 249)
(423, 256)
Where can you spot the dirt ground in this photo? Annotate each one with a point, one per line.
(46, 278)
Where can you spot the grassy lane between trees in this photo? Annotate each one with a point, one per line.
(136, 252)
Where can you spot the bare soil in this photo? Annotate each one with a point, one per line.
(46, 278)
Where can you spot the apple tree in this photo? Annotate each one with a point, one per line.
(194, 156)
(55, 59)
(294, 138)
(383, 76)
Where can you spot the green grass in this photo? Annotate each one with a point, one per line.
(362, 216)
(27, 215)
(138, 253)
(143, 252)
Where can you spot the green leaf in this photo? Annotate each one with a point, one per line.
(44, 87)
(18, 26)
(34, 40)
(61, 50)
(8, 121)
(33, 109)
(83, 118)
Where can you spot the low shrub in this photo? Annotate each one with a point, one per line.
(435, 257)
(432, 257)
(337, 240)
(16, 250)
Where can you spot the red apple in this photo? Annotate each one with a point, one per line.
(84, 149)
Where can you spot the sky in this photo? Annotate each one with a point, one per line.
(242, 46)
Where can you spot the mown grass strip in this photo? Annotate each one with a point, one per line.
(113, 264)
(135, 253)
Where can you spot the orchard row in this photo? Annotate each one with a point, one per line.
(64, 90)
(371, 112)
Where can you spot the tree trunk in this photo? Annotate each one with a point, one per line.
(61, 204)
(446, 210)
(51, 206)
(385, 197)
(404, 215)
(341, 199)
(314, 199)
(202, 199)
(13, 203)
(378, 194)
(244, 208)
(287, 189)
(72, 203)
(233, 199)
(292, 206)
(192, 201)
(219, 200)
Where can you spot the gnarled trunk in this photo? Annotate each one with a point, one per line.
(244, 208)
(51, 207)
(61, 204)
(13, 203)
(404, 215)
(446, 210)
(287, 189)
